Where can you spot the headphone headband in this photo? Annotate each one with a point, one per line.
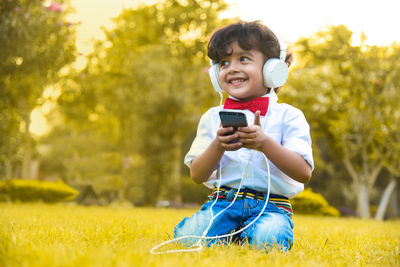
(282, 45)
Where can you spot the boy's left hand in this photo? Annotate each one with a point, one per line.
(252, 136)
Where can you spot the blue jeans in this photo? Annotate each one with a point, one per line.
(272, 228)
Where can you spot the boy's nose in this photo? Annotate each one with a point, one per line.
(233, 67)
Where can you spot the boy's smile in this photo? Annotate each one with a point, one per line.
(241, 73)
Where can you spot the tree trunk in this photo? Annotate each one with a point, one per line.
(8, 167)
(26, 163)
(363, 183)
(394, 206)
(125, 165)
(385, 199)
(176, 172)
(363, 200)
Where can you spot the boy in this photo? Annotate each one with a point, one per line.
(279, 131)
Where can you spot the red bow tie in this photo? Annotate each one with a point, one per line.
(259, 103)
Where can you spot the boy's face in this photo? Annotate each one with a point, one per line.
(241, 73)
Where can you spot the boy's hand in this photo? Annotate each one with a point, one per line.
(252, 136)
(225, 138)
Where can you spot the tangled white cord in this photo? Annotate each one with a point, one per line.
(198, 246)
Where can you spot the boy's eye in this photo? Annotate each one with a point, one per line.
(223, 63)
(244, 59)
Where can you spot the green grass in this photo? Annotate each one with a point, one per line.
(69, 235)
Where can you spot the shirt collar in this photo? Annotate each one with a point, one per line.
(272, 96)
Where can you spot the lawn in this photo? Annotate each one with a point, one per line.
(71, 235)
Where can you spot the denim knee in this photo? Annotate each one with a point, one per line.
(193, 226)
(271, 230)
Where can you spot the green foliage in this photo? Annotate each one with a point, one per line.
(35, 190)
(348, 93)
(308, 202)
(146, 86)
(36, 43)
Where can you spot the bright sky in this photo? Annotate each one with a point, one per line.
(378, 19)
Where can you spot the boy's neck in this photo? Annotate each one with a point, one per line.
(241, 100)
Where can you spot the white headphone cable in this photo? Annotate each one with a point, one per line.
(198, 246)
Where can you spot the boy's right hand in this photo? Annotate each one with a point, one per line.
(225, 138)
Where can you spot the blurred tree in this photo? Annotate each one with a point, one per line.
(88, 159)
(392, 140)
(148, 76)
(10, 137)
(343, 89)
(36, 43)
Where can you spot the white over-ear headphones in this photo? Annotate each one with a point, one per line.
(275, 70)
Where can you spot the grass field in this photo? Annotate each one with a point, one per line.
(69, 235)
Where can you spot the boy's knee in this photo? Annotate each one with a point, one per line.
(183, 229)
(187, 227)
(274, 231)
(193, 226)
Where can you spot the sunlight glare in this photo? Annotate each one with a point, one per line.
(39, 125)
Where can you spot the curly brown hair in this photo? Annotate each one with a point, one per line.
(249, 35)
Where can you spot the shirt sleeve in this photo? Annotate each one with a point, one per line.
(202, 140)
(296, 135)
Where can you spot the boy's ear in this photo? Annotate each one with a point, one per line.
(213, 72)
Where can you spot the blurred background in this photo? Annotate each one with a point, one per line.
(102, 98)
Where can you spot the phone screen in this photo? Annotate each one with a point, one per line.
(232, 118)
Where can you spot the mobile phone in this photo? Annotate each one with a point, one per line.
(235, 119)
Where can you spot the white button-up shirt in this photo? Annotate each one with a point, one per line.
(283, 123)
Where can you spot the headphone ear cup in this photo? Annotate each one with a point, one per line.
(275, 73)
(213, 71)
